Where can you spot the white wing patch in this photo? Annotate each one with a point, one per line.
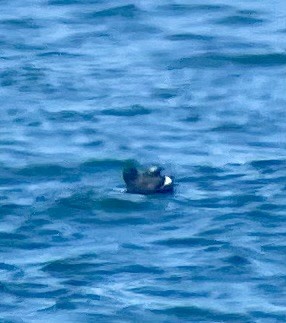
(168, 181)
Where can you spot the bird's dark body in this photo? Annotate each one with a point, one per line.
(148, 182)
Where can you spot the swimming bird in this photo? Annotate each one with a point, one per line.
(147, 182)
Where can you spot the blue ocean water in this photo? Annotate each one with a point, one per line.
(197, 86)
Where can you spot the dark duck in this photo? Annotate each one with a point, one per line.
(150, 181)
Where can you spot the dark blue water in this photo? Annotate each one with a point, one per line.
(198, 86)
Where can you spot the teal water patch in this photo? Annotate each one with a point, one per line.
(88, 87)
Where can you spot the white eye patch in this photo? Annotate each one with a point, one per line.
(153, 169)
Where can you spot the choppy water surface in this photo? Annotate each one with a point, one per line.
(198, 86)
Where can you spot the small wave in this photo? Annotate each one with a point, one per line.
(198, 314)
(67, 267)
(8, 267)
(69, 116)
(237, 261)
(33, 290)
(140, 269)
(123, 221)
(20, 241)
(267, 164)
(20, 23)
(94, 143)
(229, 127)
(165, 93)
(120, 205)
(135, 110)
(185, 242)
(220, 60)
(96, 165)
(157, 291)
(43, 170)
(67, 2)
(240, 20)
(78, 201)
(59, 54)
(128, 11)
(189, 36)
(263, 60)
(194, 8)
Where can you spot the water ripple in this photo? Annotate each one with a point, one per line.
(89, 86)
